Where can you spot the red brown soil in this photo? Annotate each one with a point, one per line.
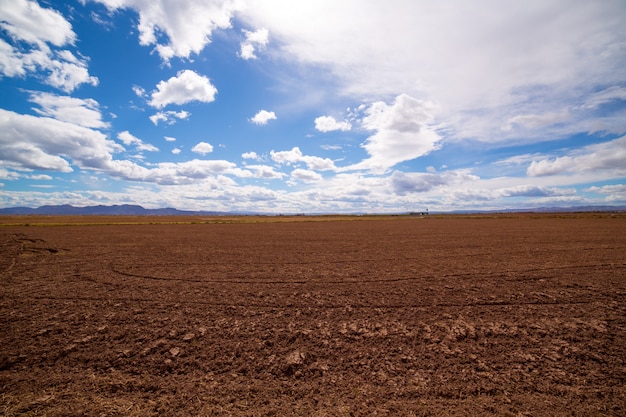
(511, 316)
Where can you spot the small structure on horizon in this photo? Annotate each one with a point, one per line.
(419, 213)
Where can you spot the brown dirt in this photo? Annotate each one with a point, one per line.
(486, 315)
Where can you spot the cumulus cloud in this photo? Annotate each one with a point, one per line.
(131, 140)
(619, 189)
(82, 112)
(188, 172)
(169, 117)
(250, 155)
(254, 40)
(30, 142)
(607, 156)
(295, 155)
(188, 24)
(262, 117)
(202, 148)
(305, 175)
(68, 75)
(12, 62)
(328, 124)
(5, 174)
(39, 33)
(265, 172)
(419, 182)
(287, 157)
(535, 191)
(403, 129)
(28, 21)
(185, 87)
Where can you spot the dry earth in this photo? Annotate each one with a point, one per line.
(488, 315)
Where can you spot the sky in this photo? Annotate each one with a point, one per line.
(313, 106)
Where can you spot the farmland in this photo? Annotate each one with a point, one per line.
(519, 314)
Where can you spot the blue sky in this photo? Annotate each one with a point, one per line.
(313, 106)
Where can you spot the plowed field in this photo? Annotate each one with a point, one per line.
(519, 315)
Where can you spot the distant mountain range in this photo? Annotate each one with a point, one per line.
(115, 210)
(136, 210)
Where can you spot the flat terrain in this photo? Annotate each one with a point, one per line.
(518, 315)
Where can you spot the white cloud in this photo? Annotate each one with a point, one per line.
(319, 164)
(28, 21)
(184, 172)
(536, 121)
(287, 157)
(519, 159)
(188, 24)
(82, 112)
(258, 39)
(44, 30)
(139, 91)
(250, 155)
(169, 139)
(535, 191)
(29, 142)
(328, 124)
(131, 140)
(169, 116)
(176, 151)
(414, 182)
(607, 156)
(202, 148)
(12, 62)
(67, 76)
(40, 177)
(305, 175)
(404, 132)
(5, 174)
(265, 172)
(185, 87)
(295, 155)
(262, 117)
(618, 189)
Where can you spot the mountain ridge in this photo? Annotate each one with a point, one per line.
(102, 210)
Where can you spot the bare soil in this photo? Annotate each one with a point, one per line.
(519, 315)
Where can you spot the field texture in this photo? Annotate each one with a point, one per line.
(406, 316)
